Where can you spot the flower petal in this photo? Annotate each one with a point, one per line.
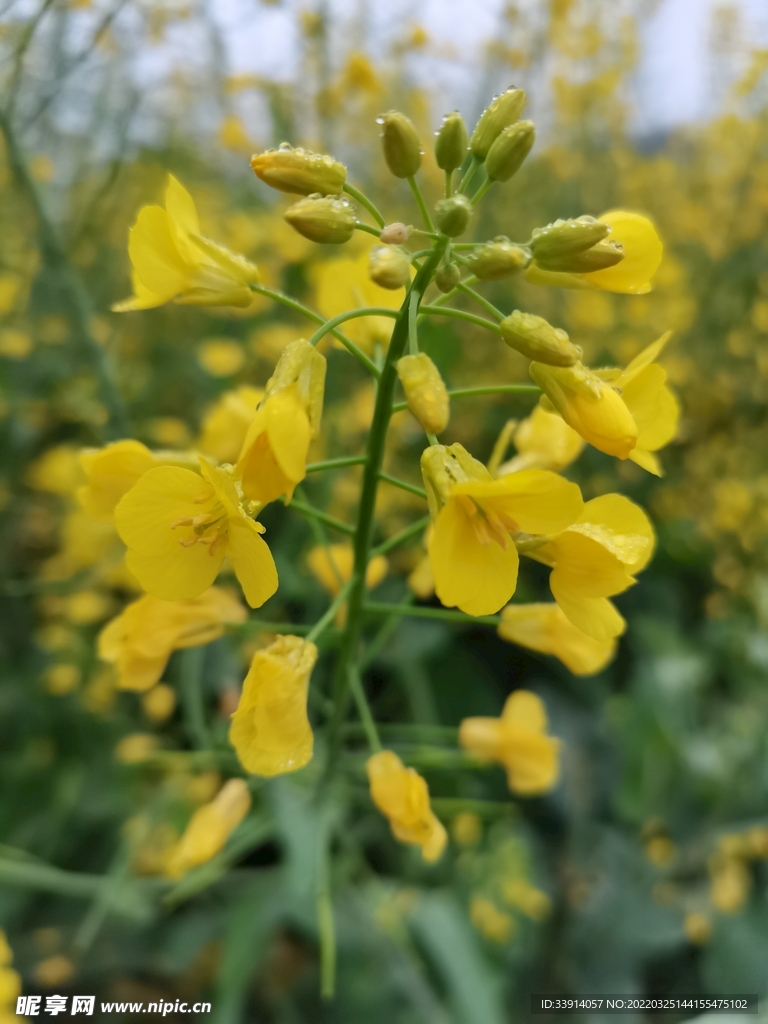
(642, 249)
(649, 355)
(288, 432)
(595, 616)
(584, 566)
(525, 709)
(538, 500)
(622, 527)
(647, 461)
(545, 628)
(154, 256)
(252, 561)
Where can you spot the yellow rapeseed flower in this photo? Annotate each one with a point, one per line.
(544, 628)
(471, 548)
(632, 276)
(518, 740)
(111, 472)
(595, 558)
(10, 983)
(592, 407)
(402, 796)
(171, 261)
(179, 526)
(209, 828)
(273, 459)
(651, 404)
(332, 567)
(140, 640)
(543, 441)
(270, 730)
(226, 423)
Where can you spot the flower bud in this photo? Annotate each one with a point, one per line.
(425, 392)
(329, 219)
(301, 364)
(501, 112)
(447, 277)
(389, 268)
(401, 144)
(497, 259)
(536, 339)
(452, 215)
(566, 237)
(442, 467)
(300, 171)
(601, 256)
(395, 234)
(512, 146)
(451, 142)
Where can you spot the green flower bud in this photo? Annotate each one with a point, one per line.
(425, 392)
(498, 115)
(497, 259)
(447, 277)
(443, 467)
(451, 142)
(401, 144)
(536, 339)
(599, 257)
(565, 237)
(322, 218)
(299, 171)
(452, 215)
(512, 146)
(390, 267)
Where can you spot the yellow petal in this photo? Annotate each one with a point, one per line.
(584, 566)
(181, 207)
(288, 432)
(111, 472)
(477, 578)
(142, 298)
(622, 527)
(653, 406)
(642, 254)
(526, 710)
(544, 628)
(595, 616)
(649, 355)
(154, 256)
(538, 500)
(252, 561)
(532, 762)
(557, 279)
(647, 461)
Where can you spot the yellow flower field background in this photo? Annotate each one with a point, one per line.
(505, 735)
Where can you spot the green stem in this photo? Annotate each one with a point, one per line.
(322, 623)
(481, 300)
(364, 710)
(309, 510)
(481, 191)
(385, 631)
(369, 229)
(310, 314)
(364, 201)
(365, 522)
(467, 179)
(352, 314)
(401, 538)
(448, 184)
(421, 204)
(413, 333)
(403, 484)
(55, 258)
(325, 926)
(462, 315)
(422, 612)
(192, 702)
(491, 389)
(352, 460)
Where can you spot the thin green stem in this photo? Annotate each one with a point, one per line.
(325, 926)
(421, 612)
(364, 201)
(384, 633)
(309, 510)
(351, 460)
(404, 485)
(352, 314)
(466, 246)
(365, 522)
(467, 179)
(364, 710)
(413, 334)
(481, 191)
(402, 538)
(462, 315)
(481, 300)
(448, 184)
(369, 229)
(421, 204)
(325, 620)
(191, 662)
(310, 314)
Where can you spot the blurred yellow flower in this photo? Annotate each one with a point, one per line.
(179, 526)
(226, 423)
(471, 548)
(332, 567)
(159, 702)
(270, 730)
(632, 276)
(135, 748)
(57, 470)
(526, 897)
(492, 923)
(731, 881)
(140, 640)
(233, 135)
(53, 972)
(402, 796)
(518, 740)
(111, 472)
(15, 344)
(209, 828)
(543, 441)
(62, 678)
(171, 261)
(467, 829)
(273, 459)
(221, 357)
(596, 558)
(544, 628)
(10, 983)
(697, 928)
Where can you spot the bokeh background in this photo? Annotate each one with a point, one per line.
(645, 871)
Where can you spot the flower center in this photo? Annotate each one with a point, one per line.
(209, 528)
(488, 524)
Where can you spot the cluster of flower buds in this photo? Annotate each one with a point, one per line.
(578, 246)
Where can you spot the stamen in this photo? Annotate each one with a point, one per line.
(189, 542)
(183, 521)
(202, 498)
